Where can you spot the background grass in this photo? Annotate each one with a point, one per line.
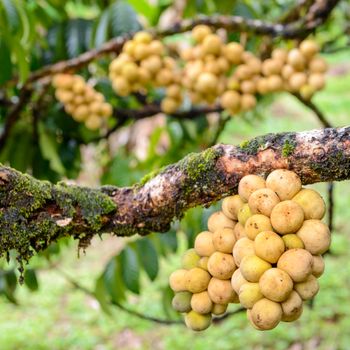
(61, 317)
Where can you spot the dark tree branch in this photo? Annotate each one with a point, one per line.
(14, 114)
(35, 213)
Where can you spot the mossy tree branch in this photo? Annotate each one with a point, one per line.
(35, 213)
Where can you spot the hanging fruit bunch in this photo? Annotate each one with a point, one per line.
(262, 250)
(81, 100)
(143, 65)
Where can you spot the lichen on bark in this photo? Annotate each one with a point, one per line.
(35, 213)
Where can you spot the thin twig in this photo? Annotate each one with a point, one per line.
(330, 204)
(221, 127)
(82, 288)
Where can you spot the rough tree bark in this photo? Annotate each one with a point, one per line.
(35, 213)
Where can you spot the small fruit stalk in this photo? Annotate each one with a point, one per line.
(81, 100)
(262, 250)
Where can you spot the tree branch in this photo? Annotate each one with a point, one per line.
(35, 213)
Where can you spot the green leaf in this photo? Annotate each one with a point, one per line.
(101, 32)
(113, 280)
(123, 18)
(48, 148)
(5, 62)
(11, 281)
(31, 280)
(169, 240)
(101, 295)
(148, 256)
(12, 16)
(130, 269)
(145, 8)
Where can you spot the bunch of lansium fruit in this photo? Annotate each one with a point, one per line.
(209, 71)
(262, 250)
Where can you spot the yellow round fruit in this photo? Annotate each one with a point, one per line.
(218, 221)
(309, 48)
(269, 246)
(243, 247)
(189, 259)
(244, 213)
(203, 263)
(274, 83)
(252, 267)
(271, 66)
(93, 122)
(284, 182)
(121, 86)
(276, 285)
(254, 64)
(263, 201)
(156, 47)
(221, 292)
(248, 185)
(142, 37)
(81, 113)
(249, 294)
(197, 322)
(207, 83)
(164, 77)
(130, 71)
(64, 96)
(315, 236)
(317, 266)
(307, 289)
(248, 102)
(200, 31)
(212, 44)
(141, 51)
(152, 63)
(239, 231)
(169, 105)
(317, 81)
(201, 303)
(248, 87)
(223, 64)
(178, 280)
(307, 91)
(292, 241)
(182, 302)
(221, 265)
(174, 91)
(231, 205)
(219, 309)
(224, 240)
(287, 217)
(280, 54)
(203, 244)
(287, 71)
(263, 86)
(106, 110)
(318, 65)
(297, 80)
(255, 224)
(63, 81)
(231, 100)
(266, 314)
(243, 72)
(197, 280)
(233, 52)
(292, 308)
(296, 59)
(237, 280)
(297, 263)
(311, 202)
